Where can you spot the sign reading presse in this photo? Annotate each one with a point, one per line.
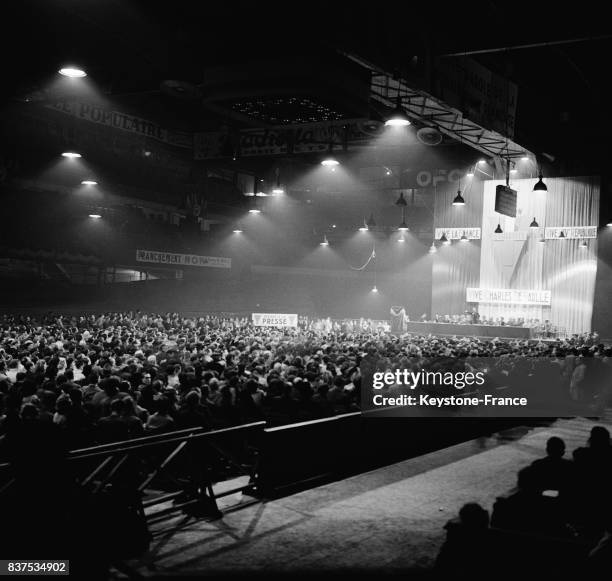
(274, 320)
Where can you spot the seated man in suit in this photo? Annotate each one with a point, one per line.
(528, 511)
(553, 472)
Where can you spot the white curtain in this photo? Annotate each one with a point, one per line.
(456, 266)
(562, 266)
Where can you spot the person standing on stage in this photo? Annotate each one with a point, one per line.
(475, 316)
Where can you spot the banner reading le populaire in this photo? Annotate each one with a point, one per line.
(122, 121)
(182, 259)
(508, 296)
(274, 320)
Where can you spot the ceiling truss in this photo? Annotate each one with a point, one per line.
(433, 112)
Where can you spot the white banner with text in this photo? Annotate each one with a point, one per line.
(274, 320)
(508, 296)
(175, 259)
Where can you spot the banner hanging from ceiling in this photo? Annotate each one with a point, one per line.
(123, 121)
(484, 97)
(175, 259)
(307, 138)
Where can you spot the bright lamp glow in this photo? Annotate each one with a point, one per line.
(95, 216)
(72, 72)
(71, 154)
(469, 174)
(330, 162)
(254, 211)
(374, 289)
(278, 191)
(482, 161)
(397, 121)
(89, 183)
(237, 231)
(398, 117)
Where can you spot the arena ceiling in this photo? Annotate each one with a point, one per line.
(196, 67)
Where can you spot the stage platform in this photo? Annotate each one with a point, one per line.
(502, 331)
(387, 520)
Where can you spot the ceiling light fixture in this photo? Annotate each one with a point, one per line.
(401, 201)
(71, 154)
(330, 162)
(499, 230)
(534, 223)
(72, 72)
(540, 186)
(398, 117)
(89, 183)
(458, 201)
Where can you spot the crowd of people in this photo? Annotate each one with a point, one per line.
(555, 498)
(114, 376)
(77, 381)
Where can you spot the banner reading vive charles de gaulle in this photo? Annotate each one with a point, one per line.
(274, 320)
(175, 259)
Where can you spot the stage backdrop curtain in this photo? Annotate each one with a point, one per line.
(456, 266)
(561, 266)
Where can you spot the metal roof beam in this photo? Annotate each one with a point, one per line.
(434, 112)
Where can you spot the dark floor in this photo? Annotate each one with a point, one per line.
(387, 520)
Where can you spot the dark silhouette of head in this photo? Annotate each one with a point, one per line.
(555, 447)
(600, 438)
(473, 516)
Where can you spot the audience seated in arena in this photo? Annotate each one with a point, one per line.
(101, 377)
(466, 548)
(528, 510)
(553, 472)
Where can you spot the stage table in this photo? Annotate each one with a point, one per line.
(465, 330)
